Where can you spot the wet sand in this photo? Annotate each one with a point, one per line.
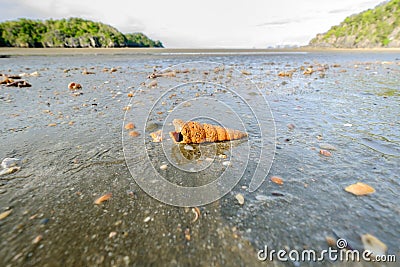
(67, 166)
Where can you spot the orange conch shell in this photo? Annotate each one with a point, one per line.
(193, 132)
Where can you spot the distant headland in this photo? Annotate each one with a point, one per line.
(68, 33)
(374, 28)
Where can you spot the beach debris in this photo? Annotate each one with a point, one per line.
(147, 219)
(192, 132)
(226, 163)
(240, 198)
(52, 124)
(285, 74)
(74, 86)
(163, 167)
(165, 74)
(374, 245)
(37, 239)
(157, 136)
(129, 126)
(103, 198)
(245, 72)
(360, 189)
(5, 214)
(126, 108)
(331, 241)
(188, 147)
(325, 153)
(308, 71)
(152, 84)
(291, 126)
(187, 234)
(196, 212)
(113, 70)
(6, 80)
(35, 74)
(134, 133)
(277, 180)
(9, 170)
(222, 156)
(112, 234)
(19, 84)
(327, 146)
(10, 162)
(130, 94)
(86, 72)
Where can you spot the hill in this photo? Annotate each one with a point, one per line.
(378, 27)
(72, 32)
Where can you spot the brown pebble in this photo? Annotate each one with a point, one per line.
(134, 133)
(129, 126)
(325, 153)
(37, 239)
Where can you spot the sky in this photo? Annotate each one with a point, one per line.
(202, 23)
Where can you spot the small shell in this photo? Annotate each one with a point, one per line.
(277, 180)
(374, 245)
(239, 197)
(5, 214)
(147, 219)
(360, 189)
(37, 239)
(134, 133)
(163, 167)
(103, 198)
(325, 153)
(129, 126)
(196, 212)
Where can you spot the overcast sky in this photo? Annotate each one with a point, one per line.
(202, 23)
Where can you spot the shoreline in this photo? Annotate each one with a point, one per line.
(13, 51)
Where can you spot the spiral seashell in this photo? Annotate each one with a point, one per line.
(193, 132)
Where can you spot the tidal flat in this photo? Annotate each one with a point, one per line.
(69, 143)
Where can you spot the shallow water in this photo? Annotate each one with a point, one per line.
(354, 106)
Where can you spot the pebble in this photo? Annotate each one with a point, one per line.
(240, 198)
(147, 219)
(163, 167)
(10, 162)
